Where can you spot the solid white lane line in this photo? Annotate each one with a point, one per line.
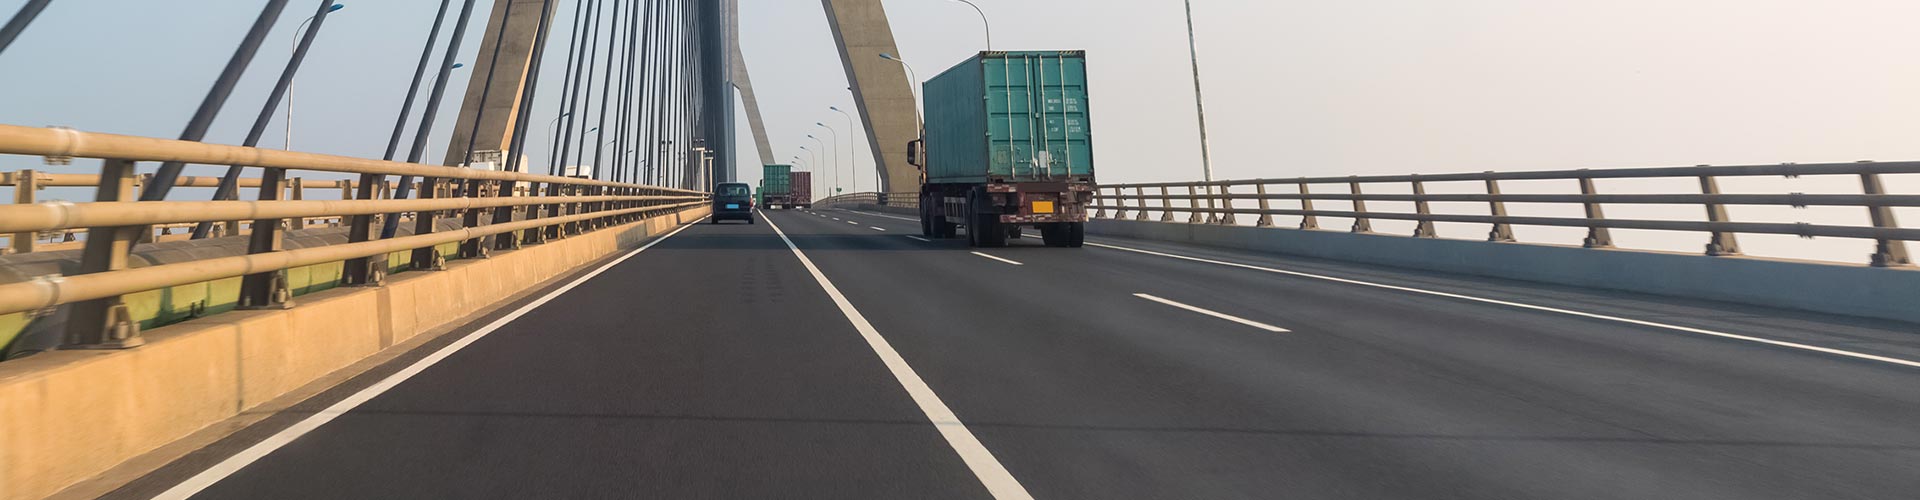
(219, 471)
(1228, 317)
(920, 239)
(987, 469)
(998, 259)
(1677, 328)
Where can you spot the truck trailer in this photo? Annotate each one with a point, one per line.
(1007, 144)
(776, 186)
(800, 192)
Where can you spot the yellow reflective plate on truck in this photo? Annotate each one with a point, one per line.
(1042, 207)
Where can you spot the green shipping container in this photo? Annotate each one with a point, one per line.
(776, 180)
(1010, 117)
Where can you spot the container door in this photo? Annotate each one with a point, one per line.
(1064, 142)
(1010, 117)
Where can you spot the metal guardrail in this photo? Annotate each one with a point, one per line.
(534, 208)
(897, 200)
(1138, 201)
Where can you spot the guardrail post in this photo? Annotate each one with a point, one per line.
(1424, 227)
(1226, 205)
(533, 235)
(1193, 205)
(1597, 237)
(268, 290)
(571, 208)
(107, 323)
(296, 191)
(1166, 206)
(1308, 221)
(1140, 202)
(1723, 243)
(503, 215)
(427, 258)
(1886, 252)
(1502, 232)
(1101, 213)
(25, 184)
(363, 271)
(1119, 199)
(1266, 219)
(473, 248)
(1360, 223)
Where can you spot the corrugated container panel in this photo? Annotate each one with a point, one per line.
(802, 187)
(1010, 116)
(776, 180)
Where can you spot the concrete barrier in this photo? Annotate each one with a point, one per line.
(1854, 290)
(68, 415)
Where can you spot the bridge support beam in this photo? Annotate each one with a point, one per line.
(880, 88)
(493, 91)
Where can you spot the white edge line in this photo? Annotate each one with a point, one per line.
(1678, 328)
(235, 463)
(1000, 483)
(1228, 317)
(998, 259)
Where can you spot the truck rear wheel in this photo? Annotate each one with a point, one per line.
(992, 235)
(1054, 234)
(1076, 234)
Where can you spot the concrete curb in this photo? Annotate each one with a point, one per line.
(1854, 290)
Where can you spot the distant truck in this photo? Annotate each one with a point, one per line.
(1007, 145)
(776, 186)
(800, 193)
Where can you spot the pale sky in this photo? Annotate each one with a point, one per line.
(1293, 88)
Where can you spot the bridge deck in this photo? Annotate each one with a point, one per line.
(740, 377)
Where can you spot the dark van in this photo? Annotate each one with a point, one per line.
(732, 200)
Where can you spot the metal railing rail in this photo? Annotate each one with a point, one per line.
(1212, 203)
(527, 208)
(897, 200)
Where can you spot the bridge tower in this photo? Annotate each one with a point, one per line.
(880, 88)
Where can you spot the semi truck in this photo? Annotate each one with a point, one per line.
(800, 192)
(776, 186)
(1006, 145)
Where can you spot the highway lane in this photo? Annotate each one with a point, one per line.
(714, 365)
(709, 366)
(1375, 393)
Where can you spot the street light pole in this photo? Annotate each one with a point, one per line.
(1200, 108)
(1199, 104)
(552, 133)
(853, 164)
(983, 22)
(834, 161)
(812, 155)
(296, 48)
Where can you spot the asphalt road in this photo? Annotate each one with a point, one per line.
(717, 365)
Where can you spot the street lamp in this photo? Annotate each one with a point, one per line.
(853, 164)
(822, 150)
(1200, 109)
(1199, 105)
(553, 133)
(983, 22)
(833, 162)
(295, 47)
(916, 88)
(812, 155)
